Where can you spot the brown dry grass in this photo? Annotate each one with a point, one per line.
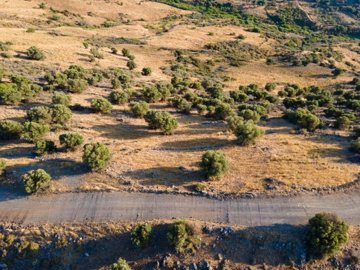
(147, 158)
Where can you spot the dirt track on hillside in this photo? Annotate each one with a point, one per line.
(122, 206)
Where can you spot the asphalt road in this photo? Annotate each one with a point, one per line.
(122, 206)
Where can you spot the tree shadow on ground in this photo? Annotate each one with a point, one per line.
(168, 176)
(195, 145)
(271, 245)
(123, 131)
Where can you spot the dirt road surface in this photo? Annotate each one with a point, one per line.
(122, 206)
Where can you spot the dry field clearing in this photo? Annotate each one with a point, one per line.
(143, 158)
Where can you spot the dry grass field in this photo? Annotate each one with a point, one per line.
(144, 159)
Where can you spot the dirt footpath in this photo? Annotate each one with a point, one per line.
(122, 206)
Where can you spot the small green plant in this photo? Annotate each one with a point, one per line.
(96, 155)
(36, 180)
(146, 71)
(214, 164)
(121, 264)
(140, 235)
(71, 141)
(35, 53)
(183, 237)
(61, 98)
(76, 85)
(139, 109)
(33, 131)
(101, 105)
(96, 53)
(151, 94)
(125, 52)
(10, 130)
(10, 94)
(114, 50)
(326, 234)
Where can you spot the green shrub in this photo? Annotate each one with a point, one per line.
(9, 94)
(2, 167)
(239, 96)
(10, 130)
(35, 53)
(96, 53)
(36, 180)
(270, 86)
(101, 105)
(45, 146)
(326, 234)
(115, 83)
(119, 97)
(146, 71)
(140, 235)
(62, 99)
(214, 164)
(248, 114)
(181, 104)
(121, 264)
(342, 122)
(183, 237)
(40, 114)
(304, 119)
(96, 156)
(114, 50)
(76, 85)
(355, 146)
(71, 140)
(247, 132)
(33, 131)
(161, 120)
(131, 64)
(151, 94)
(139, 109)
(60, 114)
(223, 111)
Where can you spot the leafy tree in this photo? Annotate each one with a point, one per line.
(214, 164)
(62, 99)
(36, 180)
(101, 105)
(96, 155)
(182, 236)
(33, 131)
(326, 234)
(140, 235)
(40, 114)
(60, 114)
(121, 264)
(161, 120)
(355, 146)
(247, 132)
(35, 53)
(146, 71)
(71, 140)
(139, 109)
(2, 167)
(10, 130)
(119, 97)
(45, 146)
